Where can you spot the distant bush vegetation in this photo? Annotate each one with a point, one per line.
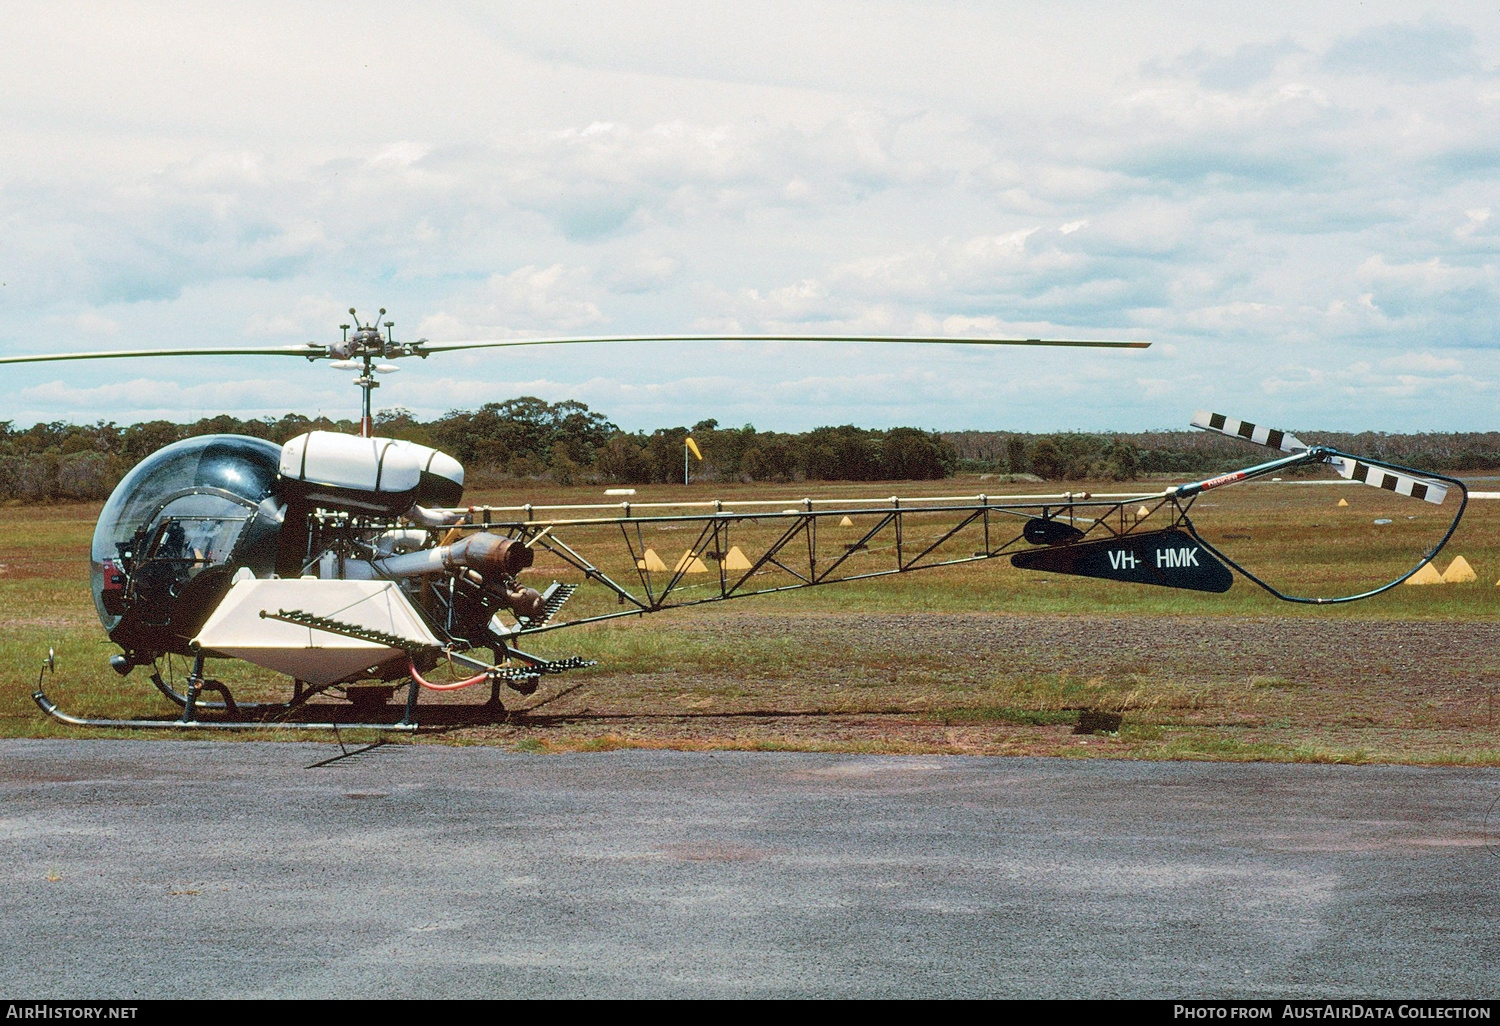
(1124, 456)
(524, 438)
(568, 443)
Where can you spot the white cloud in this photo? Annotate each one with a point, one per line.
(1426, 363)
(93, 323)
(1251, 188)
(528, 300)
(1429, 50)
(147, 398)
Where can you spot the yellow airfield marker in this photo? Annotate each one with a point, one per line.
(846, 522)
(651, 562)
(1343, 502)
(690, 564)
(736, 560)
(1142, 513)
(1427, 575)
(1459, 572)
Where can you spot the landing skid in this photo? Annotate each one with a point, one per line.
(278, 715)
(50, 708)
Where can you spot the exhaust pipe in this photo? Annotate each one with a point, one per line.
(487, 553)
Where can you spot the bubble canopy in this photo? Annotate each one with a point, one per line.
(188, 506)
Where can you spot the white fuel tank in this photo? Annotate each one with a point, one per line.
(367, 475)
(442, 476)
(344, 472)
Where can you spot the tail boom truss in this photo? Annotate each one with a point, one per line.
(737, 552)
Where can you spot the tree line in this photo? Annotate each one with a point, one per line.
(1076, 456)
(567, 443)
(519, 439)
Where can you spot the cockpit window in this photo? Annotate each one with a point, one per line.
(187, 507)
(199, 527)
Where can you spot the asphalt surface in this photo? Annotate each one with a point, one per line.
(161, 869)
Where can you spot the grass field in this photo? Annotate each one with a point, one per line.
(978, 658)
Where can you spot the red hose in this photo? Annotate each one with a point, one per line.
(411, 669)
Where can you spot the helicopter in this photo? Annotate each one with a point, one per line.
(349, 564)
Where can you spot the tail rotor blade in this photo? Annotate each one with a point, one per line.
(1390, 480)
(1217, 422)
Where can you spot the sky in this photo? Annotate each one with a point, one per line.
(1297, 204)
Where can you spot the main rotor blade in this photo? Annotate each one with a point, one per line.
(319, 351)
(439, 347)
(308, 350)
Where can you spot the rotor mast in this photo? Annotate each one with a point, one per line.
(367, 384)
(366, 345)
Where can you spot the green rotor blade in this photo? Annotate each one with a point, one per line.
(318, 351)
(439, 347)
(310, 350)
